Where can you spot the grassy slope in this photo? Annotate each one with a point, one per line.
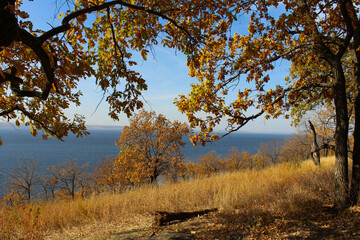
(283, 201)
(274, 189)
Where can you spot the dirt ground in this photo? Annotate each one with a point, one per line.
(317, 224)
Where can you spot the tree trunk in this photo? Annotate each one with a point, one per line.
(155, 173)
(315, 150)
(8, 24)
(154, 176)
(164, 218)
(355, 180)
(28, 190)
(341, 200)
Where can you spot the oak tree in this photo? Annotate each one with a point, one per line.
(149, 147)
(305, 32)
(321, 125)
(176, 172)
(49, 184)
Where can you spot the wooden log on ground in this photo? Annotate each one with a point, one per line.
(163, 218)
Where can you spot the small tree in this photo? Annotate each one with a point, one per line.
(49, 184)
(323, 119)
(149, 147)
(260, 160)
(176, 172)
(70, 176)
(236, 160)
(105, 175)
(210, 163)
(296, 148)
(271, 150)
(321, 126)
(24, 177)
(192, 170)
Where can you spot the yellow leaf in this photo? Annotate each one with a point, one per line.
(60, 16)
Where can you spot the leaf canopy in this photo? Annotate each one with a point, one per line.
(95, 40)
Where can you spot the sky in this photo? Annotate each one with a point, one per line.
(166, 74)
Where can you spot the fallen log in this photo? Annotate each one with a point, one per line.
(164, 218)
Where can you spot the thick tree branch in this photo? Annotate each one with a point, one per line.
(31, 117)
(36, 46)
(5, 77)
(344, 8)
(11, 110)
(66, 21)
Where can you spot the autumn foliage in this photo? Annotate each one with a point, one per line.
(149, 147)
(96, 40)
(40, 71)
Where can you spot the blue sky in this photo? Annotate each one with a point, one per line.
(167, 77)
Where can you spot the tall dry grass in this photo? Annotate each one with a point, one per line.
(283, 188)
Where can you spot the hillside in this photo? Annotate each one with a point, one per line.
(286, 201)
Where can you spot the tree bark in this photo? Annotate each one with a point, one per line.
(341, 200)
(155, 174)
(315, 150)
(8, 24)
(164, 218)
(355, 180)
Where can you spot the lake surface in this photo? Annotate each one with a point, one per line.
(20, 145)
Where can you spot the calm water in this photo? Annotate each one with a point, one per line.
(19, 145)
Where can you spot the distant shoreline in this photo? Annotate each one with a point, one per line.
(6, 125)
(89, 127)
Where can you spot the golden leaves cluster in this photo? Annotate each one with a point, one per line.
(149, 147)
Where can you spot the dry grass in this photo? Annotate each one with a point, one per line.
(280, 187)
(284, 189)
